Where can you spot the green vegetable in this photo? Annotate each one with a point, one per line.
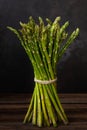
(43, 45)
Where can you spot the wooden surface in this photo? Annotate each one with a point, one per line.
(14, 106)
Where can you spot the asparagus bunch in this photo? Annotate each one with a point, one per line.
(43, 45)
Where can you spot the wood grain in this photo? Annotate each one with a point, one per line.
(14, 106)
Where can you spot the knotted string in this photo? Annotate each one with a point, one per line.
(45, 81)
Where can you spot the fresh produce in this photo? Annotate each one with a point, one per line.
(43, 45)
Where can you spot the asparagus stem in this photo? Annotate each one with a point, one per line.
(29, 109)
(44, 106)
(60, 36)
(59, 104)
(49, 105)
(53, 29)
(55, 105)
(30, 117)
(34, 109)
(39, 112)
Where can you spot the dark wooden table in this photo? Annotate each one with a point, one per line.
(14, 106)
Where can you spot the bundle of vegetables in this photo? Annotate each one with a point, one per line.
(43, 45)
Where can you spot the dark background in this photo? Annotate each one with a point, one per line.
(16, 72)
